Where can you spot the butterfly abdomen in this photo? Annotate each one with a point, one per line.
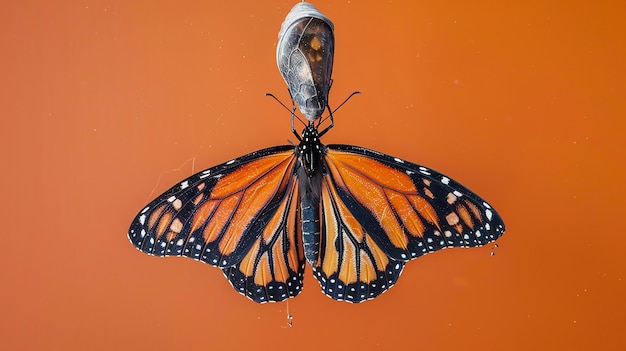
(310, 212)
(310, 232)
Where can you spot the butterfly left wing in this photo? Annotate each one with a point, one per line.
(380, 211)
(239, 216)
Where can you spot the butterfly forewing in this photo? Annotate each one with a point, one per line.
(407, 209)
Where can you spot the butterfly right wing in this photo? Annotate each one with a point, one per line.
(378, 212)
(237, 216)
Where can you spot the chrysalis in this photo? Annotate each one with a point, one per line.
(304, 55)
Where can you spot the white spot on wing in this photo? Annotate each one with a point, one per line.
(398, 160)
(205, 174)
(171, 199)
(457, 193)
(184, 185)
(488, 214)
(231, 162)
(445, 180)
(142, 219)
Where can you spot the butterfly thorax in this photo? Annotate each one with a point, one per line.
(310, 151)
(310, 168)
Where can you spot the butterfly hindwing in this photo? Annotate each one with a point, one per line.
(351, 266)
(273, 269)
(221, 214)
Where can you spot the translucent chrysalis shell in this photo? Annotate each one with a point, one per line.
(304, 55)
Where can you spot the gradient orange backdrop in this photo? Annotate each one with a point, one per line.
(105, 104)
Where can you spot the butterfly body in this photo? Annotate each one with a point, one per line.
(310, 172)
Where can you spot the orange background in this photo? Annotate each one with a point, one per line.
(105, 104)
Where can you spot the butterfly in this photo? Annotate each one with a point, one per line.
(355, 215)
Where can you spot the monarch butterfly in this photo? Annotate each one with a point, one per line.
(354, 214)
